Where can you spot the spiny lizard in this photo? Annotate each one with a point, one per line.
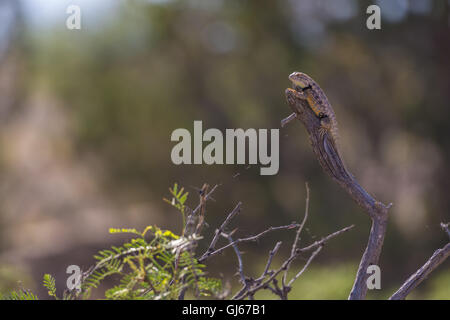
(306, 89)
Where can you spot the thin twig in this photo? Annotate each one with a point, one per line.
(269, 260)
(313, 255)
(266, 272)
(276, 289)
(208, 195)
(299, 231)
(221, 229)
(192, 228)
(288, 119)
(438, 257)
(264, 284)
(239, 256)
(300, 228)
(194, 225)
(207, 255)
(323, 240)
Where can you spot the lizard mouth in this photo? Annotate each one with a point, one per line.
(297, 87)
(303, 88)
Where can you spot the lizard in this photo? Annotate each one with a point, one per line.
(311, 106)
(309, 91)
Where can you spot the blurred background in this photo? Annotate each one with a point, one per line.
(86, 117)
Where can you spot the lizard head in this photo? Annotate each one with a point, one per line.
(304, 87)
(301, 81)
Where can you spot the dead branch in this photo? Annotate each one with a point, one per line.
(326, 152)
(299, 231)
(239, 256)
(209, 254)
(272, 274)
(269, 260)
(194, 224)
(289, 285)
(222, 227)
(322, 241)
(438, 257)
(195, 219)
(268, 279)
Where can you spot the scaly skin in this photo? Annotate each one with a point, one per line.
(306, 88)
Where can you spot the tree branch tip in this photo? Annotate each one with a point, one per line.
(288, 119)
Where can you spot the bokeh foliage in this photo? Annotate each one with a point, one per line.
(126, 83)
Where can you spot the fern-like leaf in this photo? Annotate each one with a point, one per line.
(50, 283)
(21, 294)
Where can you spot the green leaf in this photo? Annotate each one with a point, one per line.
(50, 283)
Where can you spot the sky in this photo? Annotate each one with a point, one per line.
(43, 14)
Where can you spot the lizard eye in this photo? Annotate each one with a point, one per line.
(322, 115)
(307, 87)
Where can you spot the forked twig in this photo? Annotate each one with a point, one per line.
(268, 278)
(251, 290)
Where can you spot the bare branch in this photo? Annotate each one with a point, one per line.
(268, 279)
(269, 260)
(323, 240)
(324, 147)
(299, 231)
(314, 254)
(238, 254)
(194, 224)
(266, 272)
(370, 256)
(221, 229)
(195, 220)
(300, 228)
(288, 119)
(207, 254)
(207, 197)
(264, 284)
(438, 257)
